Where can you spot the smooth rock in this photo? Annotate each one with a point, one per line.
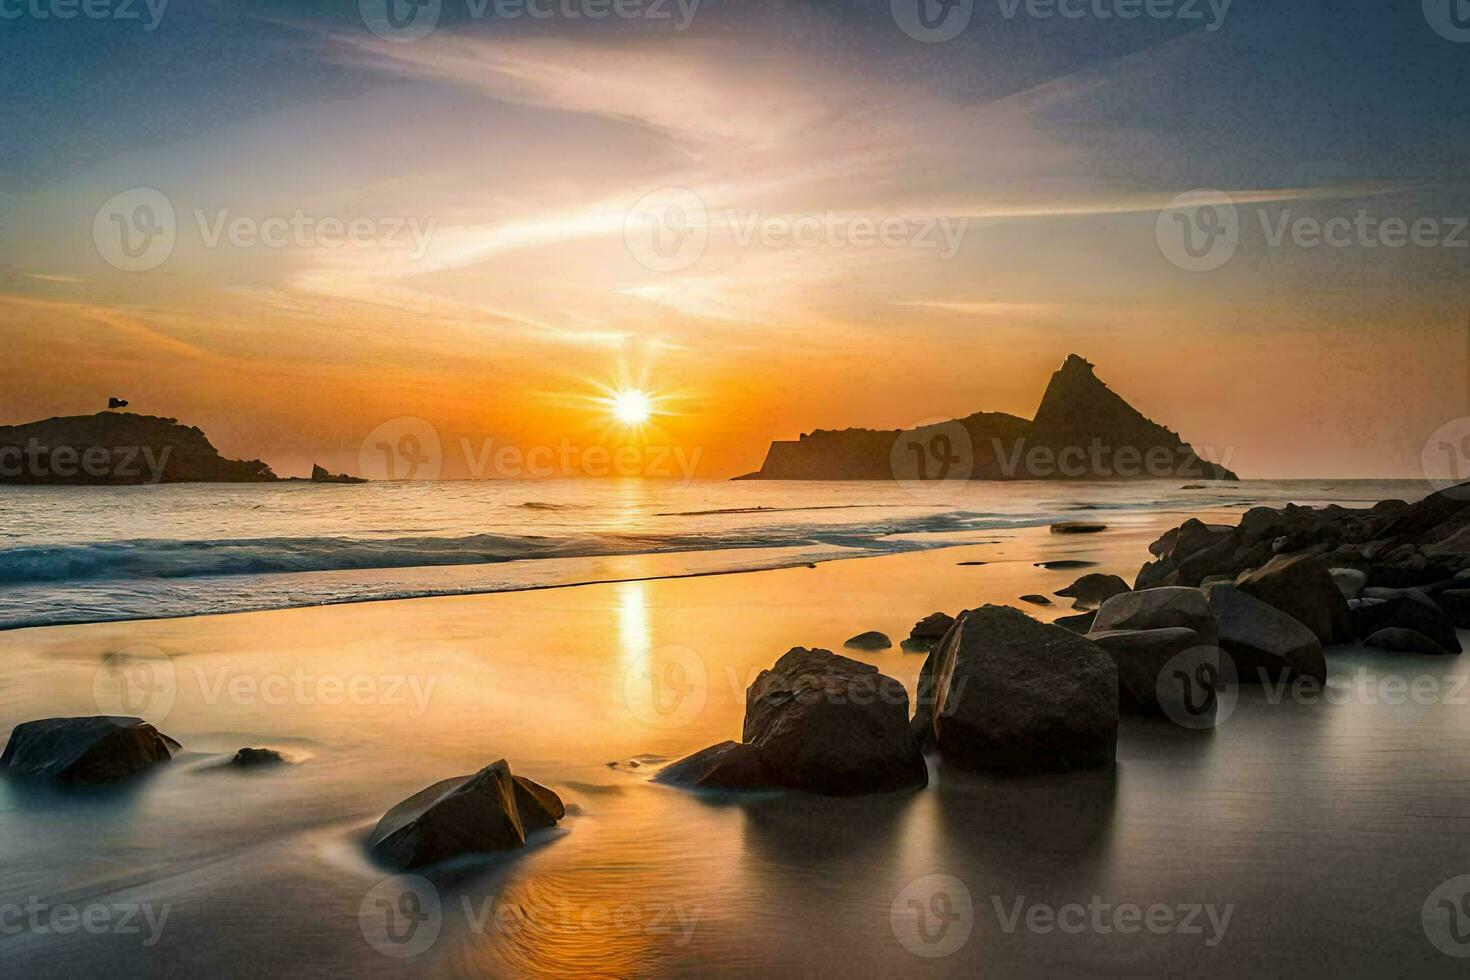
(932, 627)
(1301, 587)
(1264, 643)
(871, 640)
(86, 750)
(1014, 694)
(1349, 581)
(1143, 657)
(1161, 608)
(254, 758)
(1401, 640)
(1077, 527)
(1092, 590)
(1411, 610)
(729, 766)
(1080, 623)
(1036, 600)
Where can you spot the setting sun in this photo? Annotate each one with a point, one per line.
(631, 407)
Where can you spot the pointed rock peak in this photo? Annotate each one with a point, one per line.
(1076, 398)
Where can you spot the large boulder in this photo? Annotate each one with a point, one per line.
(828, 724)
(1014, 694)
(871, 640)
(1264, 643)
(490, 811)
(84, 751)
(816, 722)
(1349, 581)
(1410, 610)
(1144, 657)
(1303, 588)
(1161, 608)
(1092, 590)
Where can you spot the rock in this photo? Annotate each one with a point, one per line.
(1301, 587)
(932, 627)
(254, 758)
(1081, 623)
(1401, 640)
(1077, 527)
(728, 765)
(1014, 694)
(828, 724)
(1456, 605)
(1409, 610)
(1264, 643)
(1065, 563)
(1091, 591)
(1036, 600)
(320, 474)
(477, 814)
(1193, 486)
(1162, 608)
(1349, 581)
(871, 640)
(1142, 656)
(85, 751)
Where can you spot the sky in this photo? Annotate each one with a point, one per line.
(771, 216)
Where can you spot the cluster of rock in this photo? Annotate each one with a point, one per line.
(492, 810)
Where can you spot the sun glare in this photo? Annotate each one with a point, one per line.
(631, 407)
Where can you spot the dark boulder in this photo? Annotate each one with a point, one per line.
(477, 814)
(1410, 610)
(871, 640)
(1143, 657)
(932, 627)
(1036, 600)
(1080, 623)
(1013, 694)
(1077, 527)
(256, 758)
(1092, 590)
(1303, 588)
(1264, 643)
(1400, 640)
(84, 751)
(1350, 581)
(728, 765)
(1162, 608)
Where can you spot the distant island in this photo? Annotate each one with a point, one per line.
(124, 449)
(1082, 430)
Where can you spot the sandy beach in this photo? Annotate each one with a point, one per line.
(590, 689)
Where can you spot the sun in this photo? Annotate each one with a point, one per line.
(631, 407)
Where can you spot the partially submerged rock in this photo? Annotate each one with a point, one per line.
(1301, 587)
(480, 814)
(1035, 599)
(1013, 694)
(85, 751)
(1411, 610)
(1401, 640)
(255, 758)
(1161, 608)
(1265, 643)
(871, 640)
(1077, 527)
(1145, 657)
(816, 722)
(1080, 623)
(932, 627)
(1092, 590)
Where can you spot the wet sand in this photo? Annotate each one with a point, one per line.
(1324, 827)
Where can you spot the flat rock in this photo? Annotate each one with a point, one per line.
(478, 814)
(1092, 590)
(1036, 600)
(1077, 527)
(1301, 587)
(1145, 657)
(1401, 640)
(1061, 563)
(1265, 643)
(871, 640)
(86, 750)
(1014, 694)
